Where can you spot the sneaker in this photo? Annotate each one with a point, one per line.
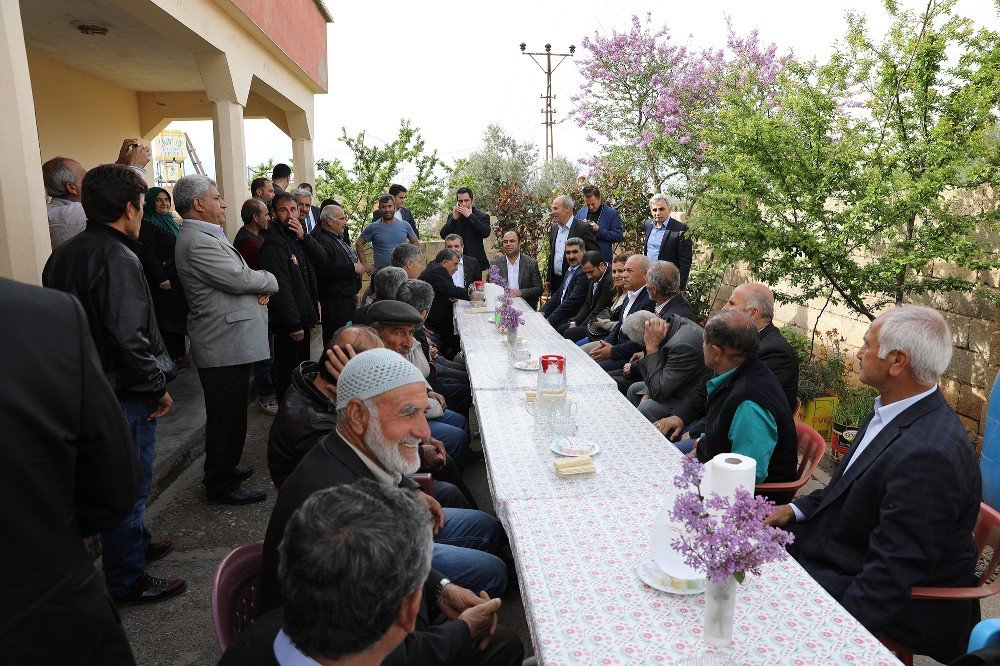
(269, 407)
(148, 590)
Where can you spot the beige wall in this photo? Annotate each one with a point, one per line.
(80, 116)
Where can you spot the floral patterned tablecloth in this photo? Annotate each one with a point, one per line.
(576, 559)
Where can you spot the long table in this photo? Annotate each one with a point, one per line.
(576, 541)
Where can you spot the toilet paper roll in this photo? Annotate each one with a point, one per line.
(726, 472)
(492, 292)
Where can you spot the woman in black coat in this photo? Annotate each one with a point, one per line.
(158, 235)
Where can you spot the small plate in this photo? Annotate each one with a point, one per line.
(531, 365)
(594, 450)
(656, 578)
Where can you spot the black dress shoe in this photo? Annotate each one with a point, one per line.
(148, 590)
(158, 549)
(238, 495)
(242, 473)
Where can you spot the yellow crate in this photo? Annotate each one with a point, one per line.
(818, 414)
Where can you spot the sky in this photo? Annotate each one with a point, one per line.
(453, 68)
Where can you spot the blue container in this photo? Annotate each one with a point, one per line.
(990, 463)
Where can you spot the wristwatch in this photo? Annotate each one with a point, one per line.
(444, 582)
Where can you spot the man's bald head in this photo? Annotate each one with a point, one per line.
(756, 300)
(360, 338)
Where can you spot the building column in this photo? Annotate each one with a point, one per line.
(24, 231)
(304, 162)
(230, 160)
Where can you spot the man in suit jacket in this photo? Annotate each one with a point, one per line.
(603, 219)
(339, 278)
(520, 270)
(673, 362)
(666, 238)
(598, 297)
(227, 324)
(441, 318)
(68, 470)
(614, 351)
(398, 193)
(900, 508)
(564, 226)
(472, 224)
(566, 301)
(469, 269)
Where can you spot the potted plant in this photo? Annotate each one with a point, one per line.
(821, 377)
(854, 404)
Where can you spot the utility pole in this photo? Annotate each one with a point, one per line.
(548, 96)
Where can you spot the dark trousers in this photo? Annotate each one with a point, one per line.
(337, 311)
(576, 333)
(446, 336)
(226, 392)
(175, 343)
(79, 624)
(288, 354)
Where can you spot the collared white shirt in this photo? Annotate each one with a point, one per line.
(513, 271)
(310, 221)
(459, 276)
(559, 251)
(882, 417)
(382, 476)
(286, 653)
(208, 227)
(631, 303)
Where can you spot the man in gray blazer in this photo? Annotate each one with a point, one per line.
(528, 282)
(227, 324)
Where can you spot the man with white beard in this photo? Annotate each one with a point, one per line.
(381, 399)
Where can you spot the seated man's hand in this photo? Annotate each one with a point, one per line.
(627, 370)
(671, 427)
(601, 352)
(336, 358)
(482, 620)
(439, 398)
(437, 513)
(636, 356)
(781, 516)
(654, 334)
(515, 292)
(434, 454)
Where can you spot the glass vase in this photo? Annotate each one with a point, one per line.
(720, 612)
(512, 338)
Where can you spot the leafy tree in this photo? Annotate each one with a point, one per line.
(373, 168)
(262, 170)
(501, 162)
(558, 173)
(844, 180)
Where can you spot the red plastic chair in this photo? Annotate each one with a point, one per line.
(986, 534)
(812, 446)
(234, 592)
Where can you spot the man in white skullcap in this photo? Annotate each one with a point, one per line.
(381, 398)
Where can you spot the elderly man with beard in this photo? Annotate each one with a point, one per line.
(381, 399)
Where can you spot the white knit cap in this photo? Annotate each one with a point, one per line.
(373, 373)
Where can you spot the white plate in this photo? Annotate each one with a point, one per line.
(594, 450)
(530, 365)
(656, 578)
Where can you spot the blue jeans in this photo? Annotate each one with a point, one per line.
(123, 547)
(263, 375)
(463, 551)
(453, 431)
(685, 446)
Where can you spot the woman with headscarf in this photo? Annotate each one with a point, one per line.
(158, 235)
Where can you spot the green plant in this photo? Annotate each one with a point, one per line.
(822, 373)
(703, 286)
(799, 342)
(854, 404)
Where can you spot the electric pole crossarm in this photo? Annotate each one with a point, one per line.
(547, 69)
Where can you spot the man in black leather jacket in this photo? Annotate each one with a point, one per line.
(100, 268)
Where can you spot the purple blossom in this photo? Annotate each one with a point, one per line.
(723, 537)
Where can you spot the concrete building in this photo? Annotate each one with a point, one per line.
(78, 76)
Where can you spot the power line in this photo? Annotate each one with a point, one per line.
(548, 111)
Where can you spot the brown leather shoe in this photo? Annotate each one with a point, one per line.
(158, 549)
(149, 590)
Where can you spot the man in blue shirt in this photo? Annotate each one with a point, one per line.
(384, 235)
(666, 238)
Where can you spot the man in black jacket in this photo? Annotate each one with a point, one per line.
(565, 301)
(598, 297)
(100, 267)
(290, 254)
(666, 238)
(438, 275)
(68, 469)
(339, 278)
(469, 269)
(520, 270)
(472, 224)
(564, 226)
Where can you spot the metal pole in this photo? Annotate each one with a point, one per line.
(549, 112)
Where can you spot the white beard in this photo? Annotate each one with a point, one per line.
(388, 452)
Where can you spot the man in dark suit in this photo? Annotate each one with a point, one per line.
(603, 219)
(773, 351)
(338, 280)
(598, 296)
(398, 193)
(358, 561)
(472, 224)
(564, 226)
(469, 269)
(900, 508)
(566, 301)
(442, 315)
(614, 351)
(312, 218)
(666, 238)
(520, 270)
(68, 469)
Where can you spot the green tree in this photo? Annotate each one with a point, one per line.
(262, 170)
(375, 167)
(846, 180)
(501, 162)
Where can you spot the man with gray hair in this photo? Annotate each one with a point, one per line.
(615, 350)
(408, 257)
(666, 238)
(564, 226)
(383, 287)
(901, 507)
(381, 400)
(438, 275)
(227, 324)
(339, 279)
